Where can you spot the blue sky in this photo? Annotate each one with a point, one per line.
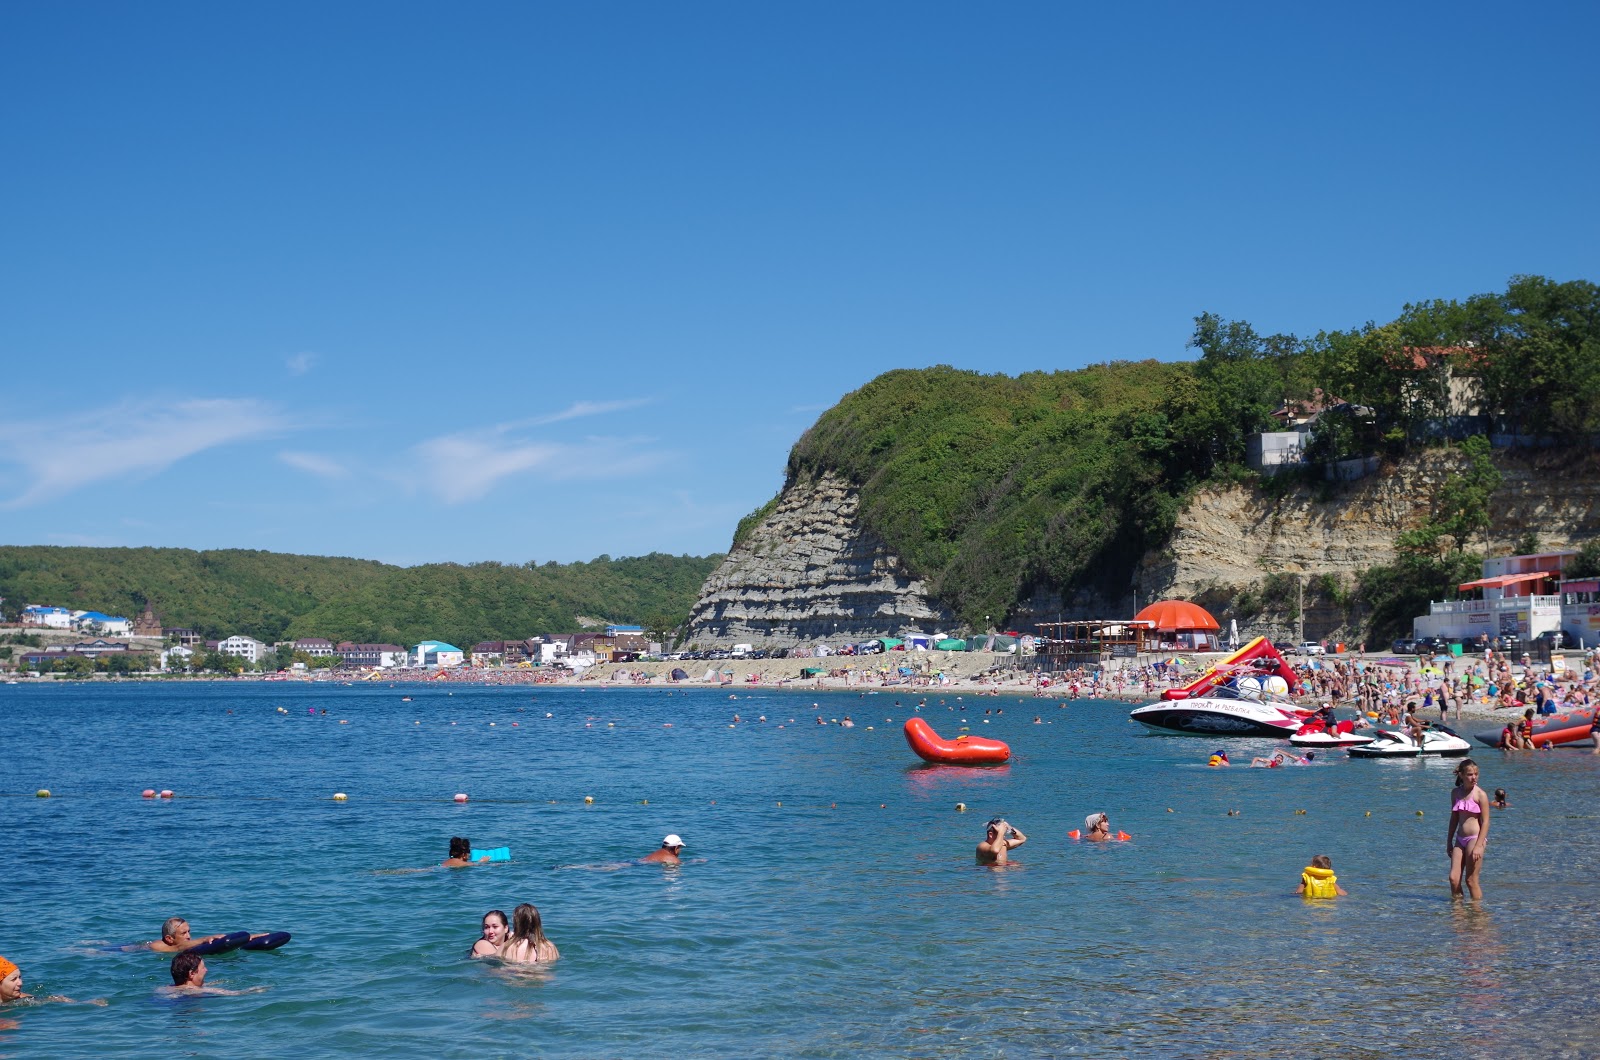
(526, 282)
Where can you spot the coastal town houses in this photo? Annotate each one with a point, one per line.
(247, 648)
(90, 650)
(370, 656)
(183, 636)
(99, 622)
(46, 616)
(436, 653)
(1519, 596)
(316, 647)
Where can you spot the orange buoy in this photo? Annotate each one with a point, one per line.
(962, 751)
(1124, 835)
(1074, 834)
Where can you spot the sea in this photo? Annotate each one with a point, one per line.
(828, 905)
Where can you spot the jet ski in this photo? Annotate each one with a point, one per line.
(1320, 738)
(1395, 743)
(1223, 711)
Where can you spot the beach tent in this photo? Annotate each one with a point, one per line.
(679, 675)
(891, 643)
(950, 644)
(918, 643)
(812, 671)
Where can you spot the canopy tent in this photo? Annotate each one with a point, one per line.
(920, 643)
(1504, 580)
(812, 671)
(890, 643)
(950, 644)
(679, 674)
(1173, 615)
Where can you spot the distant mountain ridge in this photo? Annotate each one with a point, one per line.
(273, 596)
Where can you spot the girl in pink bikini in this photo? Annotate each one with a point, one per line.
(1469, 830)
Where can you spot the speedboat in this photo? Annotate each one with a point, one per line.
(1223, 711)
(1323, 738)
(1395, 743)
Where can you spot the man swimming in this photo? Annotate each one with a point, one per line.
(189, 977)
(998, 842)
(175, 937)
(668, 854)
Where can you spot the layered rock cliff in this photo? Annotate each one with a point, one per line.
(808, 571)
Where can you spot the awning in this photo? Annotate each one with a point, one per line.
(1508, 579)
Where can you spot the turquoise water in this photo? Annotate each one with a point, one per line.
(848, 921)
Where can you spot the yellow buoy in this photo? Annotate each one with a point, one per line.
(588, 798)
(43, 793)
(961, 807)
(339, 796)
(1419, 813)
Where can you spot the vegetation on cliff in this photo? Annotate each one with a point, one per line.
(992, 487)
(271, 595)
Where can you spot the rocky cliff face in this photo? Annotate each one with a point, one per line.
(1236, 535)
(809, 572)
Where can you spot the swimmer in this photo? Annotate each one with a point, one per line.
(189, 978)
(494, 935)
(11, 989)
(1097, 828)
(527, 943)
(1318, 881)
(1499, 802)
(460, 854)
(175, 937)
(1268, 763)
(998, 842)
(668, 853)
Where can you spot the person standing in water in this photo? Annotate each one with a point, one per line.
(998, 842)
(494, 935)
(1468, 833)
(526, 944)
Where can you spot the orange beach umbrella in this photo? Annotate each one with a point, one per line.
(1176, 615)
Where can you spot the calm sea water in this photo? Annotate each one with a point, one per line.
(831, 909)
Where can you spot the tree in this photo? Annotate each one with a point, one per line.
(1461, 508)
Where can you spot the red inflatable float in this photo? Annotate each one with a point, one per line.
(962, 751)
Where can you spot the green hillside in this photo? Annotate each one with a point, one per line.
(271, 595)
(991, 487)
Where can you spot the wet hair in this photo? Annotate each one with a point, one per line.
(1500, 793)
(460, 847)
(170, 926)
(184, 965)
(1322, 861)
(1463, 766)
(526, 927)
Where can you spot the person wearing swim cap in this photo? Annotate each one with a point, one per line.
(1097, 828)
(999, 840)
(668, 854)
(11, 988)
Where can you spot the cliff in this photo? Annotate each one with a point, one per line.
(808, 571)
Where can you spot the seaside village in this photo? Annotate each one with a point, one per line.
(1523, 607)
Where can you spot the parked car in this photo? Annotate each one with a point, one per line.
(1311, 647)
(1284, 647)
(1433, 646)
(1555, 638)
(1404, 646)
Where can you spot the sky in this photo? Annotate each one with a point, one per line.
(529, 282)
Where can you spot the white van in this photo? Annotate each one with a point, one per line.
(743, 649)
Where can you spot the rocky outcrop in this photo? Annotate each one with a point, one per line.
(1236, 535)
(808, 572)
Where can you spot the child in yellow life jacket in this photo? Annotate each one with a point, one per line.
(1318, 880)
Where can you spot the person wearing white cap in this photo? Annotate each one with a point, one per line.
(668, 854)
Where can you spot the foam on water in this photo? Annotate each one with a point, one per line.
(827, 926)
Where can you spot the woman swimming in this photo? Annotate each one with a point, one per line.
(1468, 833)
(494, 935)
(526, 944)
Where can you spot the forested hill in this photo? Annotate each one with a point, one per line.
(995, 490)
(270, 595)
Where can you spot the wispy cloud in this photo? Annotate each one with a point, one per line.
(300, 363)
(587, 408)
(314, 463)
(467, 466)
(68, 453)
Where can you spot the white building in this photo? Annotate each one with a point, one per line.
(97, 622)
(1520, 596)
(175, 657)
(46, 616)
(437, 653)
(247, 648)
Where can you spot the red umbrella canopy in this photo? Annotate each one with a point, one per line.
(1177, 614)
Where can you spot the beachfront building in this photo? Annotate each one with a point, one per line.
(186, 637)
(46, 616)
(176, 657)
(1518, 596)
(316, 647)
(247, 648)
(98, 622)
(371, 656)
(437, 653)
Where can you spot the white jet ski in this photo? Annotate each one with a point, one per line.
(1395, 743)
(1330, 740)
